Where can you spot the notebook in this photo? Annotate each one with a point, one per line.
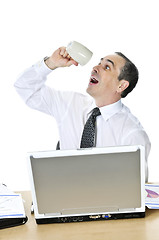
(88, 184)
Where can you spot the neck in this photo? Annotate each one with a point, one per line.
(105, 102)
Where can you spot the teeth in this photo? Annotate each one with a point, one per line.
(93, 80)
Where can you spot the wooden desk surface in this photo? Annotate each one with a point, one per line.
(126, 229)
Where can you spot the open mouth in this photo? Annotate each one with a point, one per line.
(93, 80)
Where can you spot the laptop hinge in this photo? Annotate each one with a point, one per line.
(89, 210)
(126, 209)
(52, 214)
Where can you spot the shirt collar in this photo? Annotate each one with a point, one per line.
(109, 110)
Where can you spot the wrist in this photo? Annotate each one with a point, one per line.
(49, 63)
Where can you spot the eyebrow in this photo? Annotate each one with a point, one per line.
(108, 61)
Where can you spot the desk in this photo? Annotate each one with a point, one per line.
(126, 229)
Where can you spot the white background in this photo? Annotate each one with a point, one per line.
(33, 29)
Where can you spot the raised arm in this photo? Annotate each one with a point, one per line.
(30, 85)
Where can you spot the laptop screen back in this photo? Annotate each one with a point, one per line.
(95, 182)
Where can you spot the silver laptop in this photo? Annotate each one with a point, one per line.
(88, 184)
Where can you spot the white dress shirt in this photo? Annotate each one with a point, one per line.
(115, 126)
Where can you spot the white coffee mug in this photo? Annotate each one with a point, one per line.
(79, 53)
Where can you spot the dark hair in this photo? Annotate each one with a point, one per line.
(129, 73)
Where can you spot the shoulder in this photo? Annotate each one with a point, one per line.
(131, 125)
(127, 123)
(132, 131)
(130, 120)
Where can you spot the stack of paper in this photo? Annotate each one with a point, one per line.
(11, 208)
(152, 196)
(11, 204)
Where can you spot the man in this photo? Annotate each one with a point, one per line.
(113, 78)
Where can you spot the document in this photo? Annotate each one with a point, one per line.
(11, 204)
(152, 196)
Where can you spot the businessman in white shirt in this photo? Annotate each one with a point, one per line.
(113, 78)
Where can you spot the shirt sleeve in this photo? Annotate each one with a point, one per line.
(139, 137)
(31, 87)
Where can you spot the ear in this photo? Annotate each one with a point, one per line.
(123, 84)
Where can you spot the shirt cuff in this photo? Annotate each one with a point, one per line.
(42, 68)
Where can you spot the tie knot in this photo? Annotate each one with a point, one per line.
(96, 112)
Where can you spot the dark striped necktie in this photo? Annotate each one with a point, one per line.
(88, 136)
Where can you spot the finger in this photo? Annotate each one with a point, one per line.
(62, 50)
(65, 54)
(68, 56)
(72, 62)
(75, 63)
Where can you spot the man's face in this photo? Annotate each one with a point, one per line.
(104, 81)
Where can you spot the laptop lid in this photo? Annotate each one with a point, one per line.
(88, 182)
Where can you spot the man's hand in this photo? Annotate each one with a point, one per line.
(60, 58)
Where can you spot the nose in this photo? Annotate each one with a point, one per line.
(95, 69)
